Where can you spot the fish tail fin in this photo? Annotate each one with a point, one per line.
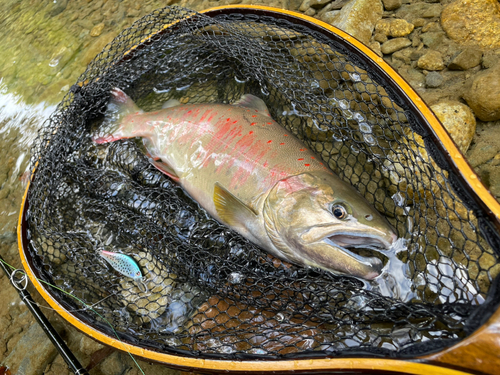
(113, 126)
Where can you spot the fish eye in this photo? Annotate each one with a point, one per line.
(339, 212)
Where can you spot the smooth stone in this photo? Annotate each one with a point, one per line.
(310, 12)
(404, 55)
(432, 39)
(473, 22)
(490, 59)
(392, 4)
(419, 22)
(375, 46)
(97, 29)
(415, 11)
(468, 58)
(433, 80)
(32, 353)
(306, 4)
(358, 18)
(432, 60)
(431, 26)
(380, 37)
(318, 4)
(394, 45)
(458, 120)
(482, 152)
(329, 17)
(395, 27)
(483, 94)
(433, 10)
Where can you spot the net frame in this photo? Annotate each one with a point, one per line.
(441, 149)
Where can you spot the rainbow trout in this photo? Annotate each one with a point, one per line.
(254, 176)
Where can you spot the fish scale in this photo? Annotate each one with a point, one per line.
(256, 177)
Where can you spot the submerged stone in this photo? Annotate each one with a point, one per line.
(475, 22)
(432, 60)
(466, 59)
(358, 18)
(483, 94)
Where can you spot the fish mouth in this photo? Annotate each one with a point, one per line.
(348, 240)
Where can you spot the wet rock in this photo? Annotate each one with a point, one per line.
(419, 22)
(29, 359)
(482, 152)
(432, 60)
(394, 45)
(483, 94)
(432, 39)
(306, 4)
(433, 80)
(466, 59)
(89, 346)
(404, 55)
(415, 78)
(433, 10)
(490, 59)
(458, 119)
(474, 22)
(375, 46)
(310, 12)
(411, 12)
(379, 37)
(431, 26)
(329, 17)
(358, 18)
(97, 29)
(318, 4)
(394, 27)
(392, 4)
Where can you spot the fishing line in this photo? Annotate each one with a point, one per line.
(25, 278)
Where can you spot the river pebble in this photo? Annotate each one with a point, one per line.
(468, 58)
(483, 94)
(394, 45)
(432, 60)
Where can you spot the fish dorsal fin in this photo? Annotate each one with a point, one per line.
(230, 209)
(250, 101)
(171, 103)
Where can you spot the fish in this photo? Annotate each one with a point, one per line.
(256, 177)
(124, 264)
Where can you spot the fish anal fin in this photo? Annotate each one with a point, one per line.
(230, 209)
(165, 168)
(171, 103)
(252, 102)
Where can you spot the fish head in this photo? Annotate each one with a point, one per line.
(315, 218)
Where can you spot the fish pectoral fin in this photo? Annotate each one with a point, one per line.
(165, 168)
(171, 103)
(250, 101)
(230, 209)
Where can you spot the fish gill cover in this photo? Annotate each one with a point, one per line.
(207, 291)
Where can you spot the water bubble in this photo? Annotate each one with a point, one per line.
(369, 139)
(398, 199)
(355, 77)
(365, 128)
(236, 278)
(359, 117)
(344, 104)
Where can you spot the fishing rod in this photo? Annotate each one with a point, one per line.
(20, 281)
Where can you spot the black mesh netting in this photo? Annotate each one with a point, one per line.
(207, 290)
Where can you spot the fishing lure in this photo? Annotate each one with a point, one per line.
(124, 264)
